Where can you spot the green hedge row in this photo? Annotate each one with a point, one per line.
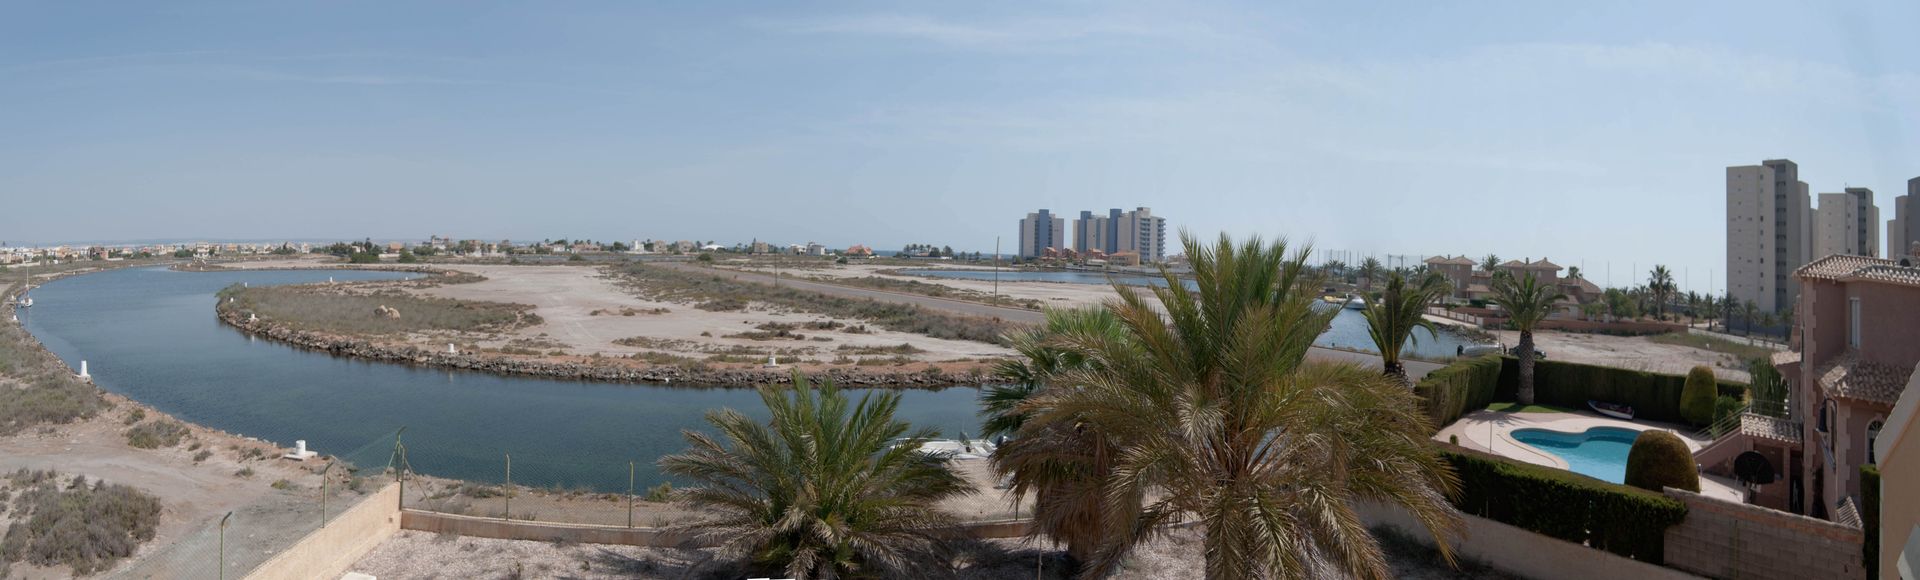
(1870, 517)
(1562, 504)
(1454, 389)
(1653, 396)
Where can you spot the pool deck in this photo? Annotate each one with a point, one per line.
(1491, 431)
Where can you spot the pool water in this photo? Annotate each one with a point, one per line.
(1600, 452)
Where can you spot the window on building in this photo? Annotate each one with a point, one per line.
(1873, 434)
(1853, 322)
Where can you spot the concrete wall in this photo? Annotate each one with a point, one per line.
(496, 528)
(328, 551)
(1729, 540)
(1526, 554)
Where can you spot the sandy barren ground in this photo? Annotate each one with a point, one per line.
(192, 494)
(1052, 294)
(1631, 352)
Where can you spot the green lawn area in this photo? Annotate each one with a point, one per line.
(1712, 343)
(1513, 407)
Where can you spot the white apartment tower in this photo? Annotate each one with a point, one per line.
(1769, 226)
(1039, 231)
(1847, 223)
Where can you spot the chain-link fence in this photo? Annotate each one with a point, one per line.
(618, 492)
(235, 543)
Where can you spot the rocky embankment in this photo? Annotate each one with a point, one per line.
(609, 369)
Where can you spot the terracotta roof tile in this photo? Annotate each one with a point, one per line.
(1891, 274)
(1774, 428)
(1849, 376)
(1834, 267)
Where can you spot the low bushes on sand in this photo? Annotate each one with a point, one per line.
(721, 293)
(84, 525)
(156, 434)
(322, 309)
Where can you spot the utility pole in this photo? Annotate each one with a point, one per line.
(996, 270)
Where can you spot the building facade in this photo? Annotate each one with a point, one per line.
(1041, 230)
(1903, 231)
(1136, 232)
(1769, 223)
(1859, 338)
(1847, 223)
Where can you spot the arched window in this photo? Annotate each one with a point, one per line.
(1873, 434)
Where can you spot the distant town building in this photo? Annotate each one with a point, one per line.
(1470, 282)
(1769, 224)
(859, 251)
(1041, 230)
(1847, 223)
(1137, 231)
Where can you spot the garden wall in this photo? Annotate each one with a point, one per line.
(1522, 553)
(496, 528)
(1730, 540)
(327, 552)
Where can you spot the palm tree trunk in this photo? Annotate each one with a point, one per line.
(1397, 370)
(1525, 393)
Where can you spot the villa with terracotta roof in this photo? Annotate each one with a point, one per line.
(1855, 344)
(1469, 282)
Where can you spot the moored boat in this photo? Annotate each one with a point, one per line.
(1615, 410)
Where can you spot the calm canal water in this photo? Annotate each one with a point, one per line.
(150, 334)
(1348, 330)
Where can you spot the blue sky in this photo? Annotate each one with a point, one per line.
(1588, 132)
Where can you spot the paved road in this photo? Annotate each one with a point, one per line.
(1415, 369)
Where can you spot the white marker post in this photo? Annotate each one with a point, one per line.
(83, 370)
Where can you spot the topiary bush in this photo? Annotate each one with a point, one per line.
(1660, 459)
(1696, 396)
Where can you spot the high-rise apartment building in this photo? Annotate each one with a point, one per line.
(1847, 223)
(1137, 231)
(1091, 232)
(1904, 229)
(1039, 231)
(1769, 227)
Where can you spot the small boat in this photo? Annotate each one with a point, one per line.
(1614, 410)
(1356, 302)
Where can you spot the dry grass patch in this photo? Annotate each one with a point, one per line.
(320, 308)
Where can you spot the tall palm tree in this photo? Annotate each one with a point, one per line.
(1728, 306)
(1748, 311)
(1400, 309)
(824, 489)
(1491, 263)
(1063, 465)
(1573, 272)
(1660, 288)
(1219, 415)
(1370, 270)
(1527, 302)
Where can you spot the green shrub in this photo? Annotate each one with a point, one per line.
(1660, 459)
(1724, 407)
(1697, 394)
(1870, 517)
(1653, 396)
(1454, 389)
(660, 493)
(156, 434)
(1624, 520)
(86, 527)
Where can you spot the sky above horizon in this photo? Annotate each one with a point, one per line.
(1594, 134)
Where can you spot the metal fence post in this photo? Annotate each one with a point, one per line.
(223, 545)
(508, 514)
(629, 494)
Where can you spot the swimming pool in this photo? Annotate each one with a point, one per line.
(1600, 452)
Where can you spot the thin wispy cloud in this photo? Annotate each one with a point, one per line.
(1013, 34)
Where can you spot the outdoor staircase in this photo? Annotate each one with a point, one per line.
(1738, 432)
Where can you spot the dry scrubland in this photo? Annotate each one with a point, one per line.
(1674, 356)
(1022, 294)
(357, 309)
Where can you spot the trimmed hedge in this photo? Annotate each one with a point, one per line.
(1653, 396)
(1697, 395)
(1454, 389)
(1624, 520)
(1870, 518)
(1659, 460)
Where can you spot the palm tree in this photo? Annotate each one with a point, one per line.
(1660, 287)
(1062, 466)
(1573, 272)
(1727, 307)
(1369, 271)
(1748, 310)
(1400, 309)
(822, 490)
(1490, 263)
(1527, 302)
(1220, 418)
